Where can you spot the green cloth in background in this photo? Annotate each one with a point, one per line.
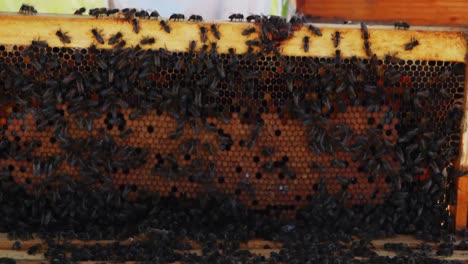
(52, 6)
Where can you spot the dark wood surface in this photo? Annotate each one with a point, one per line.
(417, 12)
(255, 246)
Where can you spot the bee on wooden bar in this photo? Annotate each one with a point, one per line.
(253, 43)
(365, 33)
(297, 20)
(306, 44)
(154, 14)
(97, 35)
(34, 249)
(120, 45)
(215, 31)
(115, 38)
(147, 41)
(401, 25)
(203, 36)
(143, 14)
(64, 38)
(165, 26)
(129, 13)
(176, 17)
(315, 30)
(277, 20)
(195, 18)
(136, 26)
(27, 10)
(112, 11)
(336, 39)
(16, 245)
(80, 11)
(248, 31)
(413, 43)
(96, 12)
(255, 18)
(367, 48)
(238, 17)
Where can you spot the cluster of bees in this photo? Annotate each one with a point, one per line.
(184, 125)
(314, 100)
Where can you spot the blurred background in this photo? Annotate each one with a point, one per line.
(415, 12)
(209, 9)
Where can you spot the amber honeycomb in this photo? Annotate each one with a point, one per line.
(239, 170)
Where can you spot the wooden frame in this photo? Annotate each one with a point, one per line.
(435, 45)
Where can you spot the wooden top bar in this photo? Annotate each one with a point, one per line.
(434, 45)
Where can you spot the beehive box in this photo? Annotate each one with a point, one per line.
(270, 124)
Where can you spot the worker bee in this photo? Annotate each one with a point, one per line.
(16, 245)
(203, 36)
(255, 18)
(129, 13)
(39, 43)
(192, 46)
(120, 45)
(410, 45)
(306, 43)
(34, 249)
(248, 31)
(315, 30)
(63, 36)
(112, 11)
(392, 58)
(253, 43)
(165, 26)
(338, 59)
(195, 18)
(96, 12)
(80, 11)
(365, 33)
(27, 10)
(215, 31)
(97, 35)
(367, 48)
(154, 14)
(177, 17)
(239, 17)
(147, 41)
(401, 24)
(115, 38)
(336, 39)
(142, 13)
(136, 26)
(297, 20)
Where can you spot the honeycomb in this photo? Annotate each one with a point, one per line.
(270, 130)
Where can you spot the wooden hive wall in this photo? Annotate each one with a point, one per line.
(420, 12)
